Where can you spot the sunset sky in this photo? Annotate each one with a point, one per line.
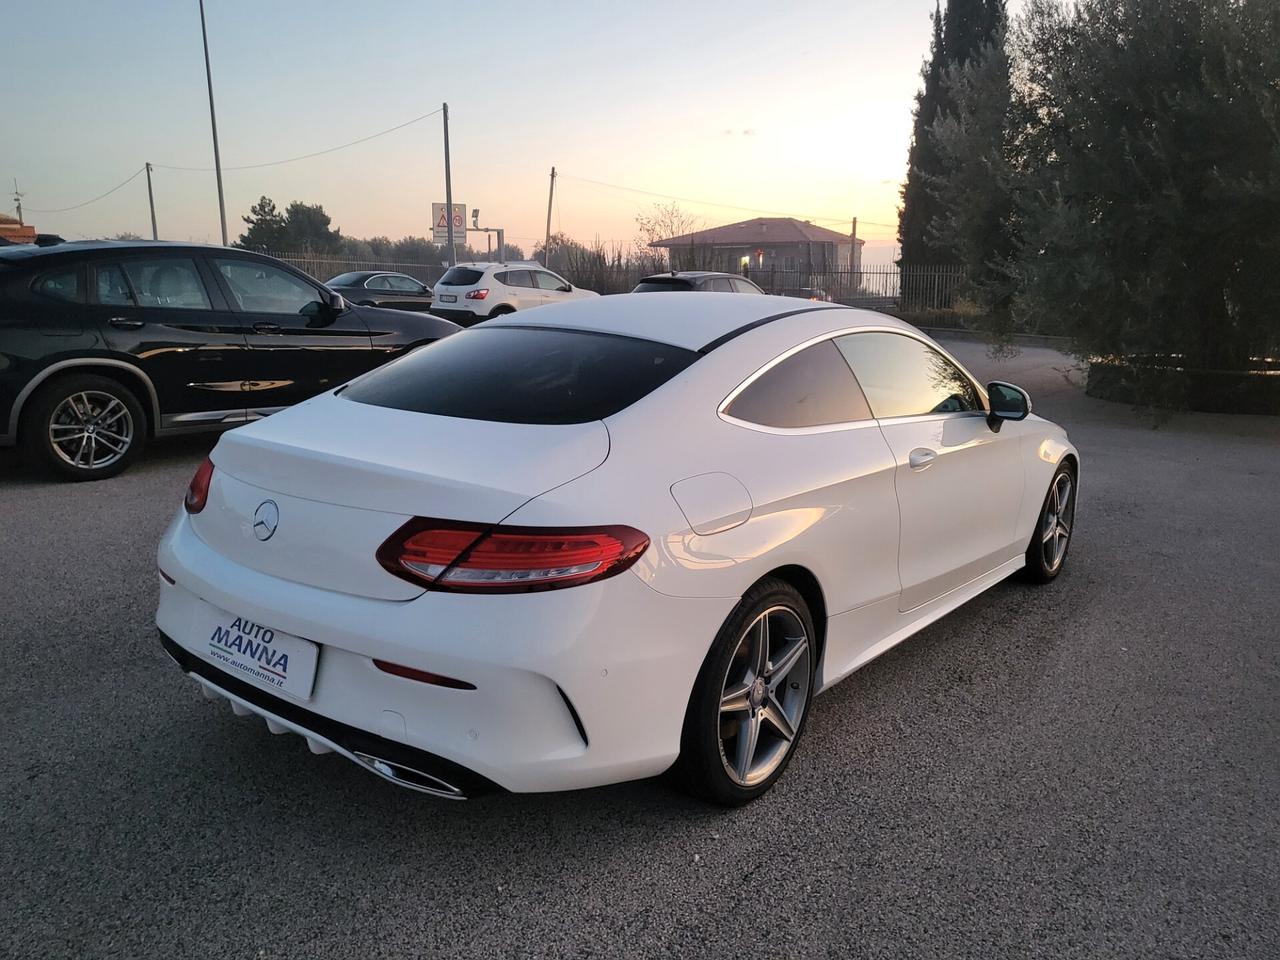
(800, 109)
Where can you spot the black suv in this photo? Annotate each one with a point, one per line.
(105, 343)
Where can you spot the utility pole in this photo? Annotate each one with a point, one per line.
(17, 198)
(213, 121)
(854, 263)
(546, 243)
(151, 199)
(448, 189)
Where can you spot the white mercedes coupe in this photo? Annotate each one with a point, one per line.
(607, 539)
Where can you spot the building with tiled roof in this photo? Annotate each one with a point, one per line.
(782, 242)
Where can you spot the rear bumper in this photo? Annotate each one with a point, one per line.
(464, 318)
(573, 688)
(402, 765)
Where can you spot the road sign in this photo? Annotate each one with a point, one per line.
(440, 225)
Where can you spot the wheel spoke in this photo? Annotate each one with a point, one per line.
(1050, 530)
(758, 661)
(111, 445)
(748, 737)
(734, 700)
(66, 426)
(777, 671)
(777, 717)
(107, 410)
(118, 437)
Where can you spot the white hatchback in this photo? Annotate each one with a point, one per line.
(471, 292)
(616, 536)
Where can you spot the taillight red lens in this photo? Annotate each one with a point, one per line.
(476, 294)
(198, 489)
(474, 558)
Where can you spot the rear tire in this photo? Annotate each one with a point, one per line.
(751, 698)
(1047, 552)
(83, 427)
(500, 311)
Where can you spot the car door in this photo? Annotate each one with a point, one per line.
(554, 289)
(820, 477)
(525, 289)
(959, 483)
(298, 344)
(406, 293)
(165, 310)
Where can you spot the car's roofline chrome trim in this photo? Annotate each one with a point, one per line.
(830, 427)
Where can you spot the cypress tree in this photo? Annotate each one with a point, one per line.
(919, 207)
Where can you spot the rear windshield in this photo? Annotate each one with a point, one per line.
(524, 375)
(662, 284)
(461, 277)
(344, 279)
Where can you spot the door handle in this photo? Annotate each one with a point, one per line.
(921, 457)
(264, 327)
(125, 323)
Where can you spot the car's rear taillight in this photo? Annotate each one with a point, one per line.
(476, 294)
(198, 488)
(476, 558)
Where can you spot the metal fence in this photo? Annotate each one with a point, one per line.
(906, 289)
(901, 289)
(324, 268)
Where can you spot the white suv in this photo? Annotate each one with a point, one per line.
(471, 292)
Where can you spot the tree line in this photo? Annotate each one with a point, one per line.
(1108, 170)
(307, 228)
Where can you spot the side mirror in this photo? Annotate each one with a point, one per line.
(1008, 402)
(336, 302)
(567, 288)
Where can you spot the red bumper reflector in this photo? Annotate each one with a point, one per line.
(422, 676)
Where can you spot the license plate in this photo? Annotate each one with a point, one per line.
(267, 658)
(449, 297)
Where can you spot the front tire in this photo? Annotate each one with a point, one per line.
(1047, 552)
(751, 698)
(84, 427)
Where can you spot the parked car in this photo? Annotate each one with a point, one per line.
(104, 344)
(580, 546)
(703, 281)
(808, 293)
(471, 292)
(371, 288)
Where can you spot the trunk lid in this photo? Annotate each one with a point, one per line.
(343, 476)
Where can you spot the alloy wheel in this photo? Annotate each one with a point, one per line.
(91, 429)
(765, 692)
(1059, 514)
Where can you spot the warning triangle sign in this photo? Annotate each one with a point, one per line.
(444, 220)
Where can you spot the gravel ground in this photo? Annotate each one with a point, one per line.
(1090, 769)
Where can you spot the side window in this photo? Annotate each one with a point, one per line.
(168, 282)
(744, 286)
(808, 389)
(719, 285)
(113, 288)
(378, 283)
(262, 288)
(60, 285)
(903, 377)
(518, 278)
(547, 281)
(403, 284)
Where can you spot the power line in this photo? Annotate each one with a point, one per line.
(248, 166)
(712, 203)
(308, 156)
(77, 206)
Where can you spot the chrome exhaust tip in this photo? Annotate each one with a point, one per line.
(404, 776)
